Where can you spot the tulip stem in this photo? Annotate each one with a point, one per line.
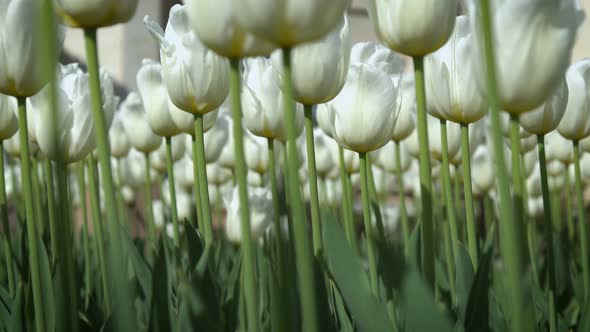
(66, 281)
(313, 182)
(568, 202)
(517, 179)
(39, 215)
(547, 215)
(303, 252)
(196, 189)
(582, 222)
(99, 237)
(375, 200)
(32, 236)
(450, 260)
(6, 227)
(85, 237)
(469, 209)
(172, 189)
(48, 170)
(122, 302)
(249, 268)
(202, 179)
(148, 201)
(347, 213)
(510, 246)
(447, 189)
(402, 195)
(368, 225)
(425, 175)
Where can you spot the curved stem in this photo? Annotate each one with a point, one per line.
(172, 189)
(122, 302)
(202, 179)
(99, 237)
(509, 240)
(374, 277)
(32, 236)
(6, 227)
(425, 175)
(447, 189)
(249, 268)
(469, 209)
(148, 201)
(402, 195)
(582, 221)
(303, 252)
(347, 213)
(313, 182)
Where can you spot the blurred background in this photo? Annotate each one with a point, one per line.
(122, 47)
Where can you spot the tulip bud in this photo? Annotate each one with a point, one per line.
(118, 138)
(575, 124)
(377, 55)
(95, 13)
(546, 117)
(261, 213)
(413, 27)
(386, 158)
(217, 137)
(217, 175)
(185, 121)
(135, 121)
(8, 119)
(406, 117)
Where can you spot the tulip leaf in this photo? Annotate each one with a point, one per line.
(47, 287)
(351, 280)
(415, 247)
(420, 311)
(195, 246)
(4, 309)
(464, 276)
(342, 314)
(160, 301)
(584, 324)
(138, 263)
(17, 322)
(476, 317)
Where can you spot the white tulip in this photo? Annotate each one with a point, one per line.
(413, 27)
(184, 174)
(263, 101)
(558, 148)
(153, 92)
(323, 147)
(289, 22)
(215, 23)
(95, 13)
(363, 117)
(527, 70)
(256, 179)
(135, 121)
(132, 171)
(482, 169)
(377, 55)
(546, 117)
(386, 158)
(158, 157)
(449, 77)
(406, 117)
(256, 153)
(216, 138)
(453, 138)
(185, 121)
(556, 168)
(217, 175)
(118, 138)
(21, 59)
(330, 193)
(575, 124)
(8, 119)
(196, 77)
(319, 68)
(261, 213)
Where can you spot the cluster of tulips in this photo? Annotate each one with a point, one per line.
(268, 175)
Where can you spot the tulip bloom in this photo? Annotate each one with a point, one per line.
(261, 209)
(8, 120)
(95, 13)
(135, 121)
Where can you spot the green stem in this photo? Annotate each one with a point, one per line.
(450, 260)
(425, 175)
(65, 271)
(402, 195)
(347, 213)
(488, 206)
(249, 255)
(532, 246)
(582, 222)
(374, 277)
(196, 190)
(447, 189)
(123, 309)
(517, 177)
(375, 200)
(202, 179)
(48, 170)
(470, 213)
(99, 237)
(6, 226)
(568, 202)
(172, 189)
(32, 236)
(85, 237)
(148, 201)
(303, 251)
(509, 239)
(313, 182)
(547, 215)
(39, 212)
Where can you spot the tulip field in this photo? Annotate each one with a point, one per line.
(270, 175)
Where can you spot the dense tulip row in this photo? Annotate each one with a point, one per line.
(270, 175)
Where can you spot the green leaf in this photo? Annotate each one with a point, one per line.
(48, 298)
(464, 276)
(343, 319)
(419, 309)
(160, 312)
(585, 318)
(346, 269)
(415, 247)
(138, 263)
(18, 322)
(195, 246)
(477, 312)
